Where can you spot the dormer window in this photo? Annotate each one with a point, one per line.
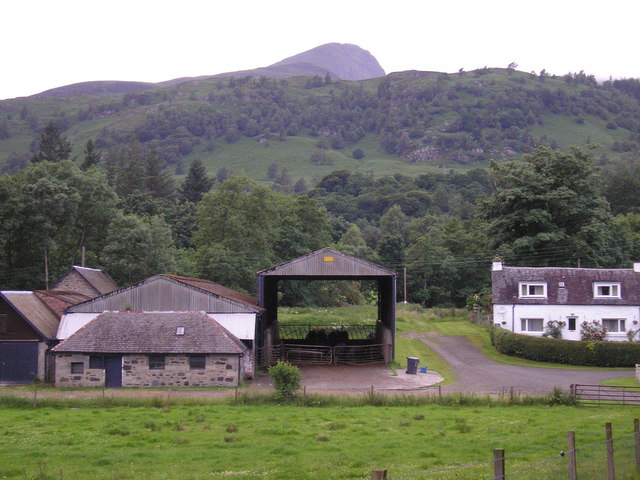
(533, 290)
(606, 290)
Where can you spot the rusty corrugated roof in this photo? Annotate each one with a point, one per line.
(59, 300)
(152, 332)
(216, 289)
(34, 311)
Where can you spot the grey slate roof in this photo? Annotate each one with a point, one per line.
(152, 332)
(578, 285)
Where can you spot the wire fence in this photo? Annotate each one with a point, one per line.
(573, 458)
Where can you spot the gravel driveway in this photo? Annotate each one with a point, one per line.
(477, 373)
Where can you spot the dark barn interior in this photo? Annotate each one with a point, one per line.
(326, 345)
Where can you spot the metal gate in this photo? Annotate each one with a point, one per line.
(18, 362)
(325, 355)
(606, 395)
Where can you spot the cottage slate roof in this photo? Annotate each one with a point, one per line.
(328, 262)
(35, 312)
(101, 282)
(152, 332)
(577, 290)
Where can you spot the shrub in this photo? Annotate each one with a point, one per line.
(286, 379)
(593, 332)
(554, 328)
(587, 353)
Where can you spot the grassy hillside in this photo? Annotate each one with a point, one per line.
(409, 122)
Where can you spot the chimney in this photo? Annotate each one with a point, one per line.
(497, 264)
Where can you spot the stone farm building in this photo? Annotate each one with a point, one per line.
(146, 349)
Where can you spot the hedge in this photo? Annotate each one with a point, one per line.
(571, 352)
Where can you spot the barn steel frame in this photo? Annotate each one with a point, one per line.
(327, 264)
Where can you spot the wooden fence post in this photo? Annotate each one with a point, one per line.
(636, 434)
(378, 474)
(498, 464)
(611, 471)
(571, 455)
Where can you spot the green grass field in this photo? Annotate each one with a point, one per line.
(285, 442)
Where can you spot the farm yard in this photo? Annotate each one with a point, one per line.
(341, 437)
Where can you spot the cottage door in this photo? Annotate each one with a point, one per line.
(112, 372)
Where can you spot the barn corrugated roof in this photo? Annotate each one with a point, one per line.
(34, 311)
(328, 262)
(152, 332)
(577, 289)
(216, 289)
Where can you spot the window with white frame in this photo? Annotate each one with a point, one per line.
(606, 290)
(531, 324)
(533, 290)
(614, 325)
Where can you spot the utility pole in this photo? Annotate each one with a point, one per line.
(405, 284)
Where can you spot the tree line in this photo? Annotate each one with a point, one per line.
(125, 211)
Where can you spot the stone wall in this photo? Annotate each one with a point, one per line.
(220, 370)
(76, 283)
(64, 377)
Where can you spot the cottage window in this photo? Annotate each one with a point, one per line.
(614, 325)
(197, 362)
(77, 368)
(96, 361)
(606, 290)
(531, 324)
(571, 323)
(533, 290)
(156, 362)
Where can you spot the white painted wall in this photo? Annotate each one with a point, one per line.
(508, 317)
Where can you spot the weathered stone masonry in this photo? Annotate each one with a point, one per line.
(220, 370)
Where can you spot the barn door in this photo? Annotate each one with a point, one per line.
(112, 372)
(18, 362)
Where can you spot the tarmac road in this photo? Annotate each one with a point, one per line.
(477, 373)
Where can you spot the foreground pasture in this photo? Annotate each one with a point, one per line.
(284, 442)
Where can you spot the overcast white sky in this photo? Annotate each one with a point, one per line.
(51, 43)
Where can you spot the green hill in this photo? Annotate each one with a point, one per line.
(408, 122)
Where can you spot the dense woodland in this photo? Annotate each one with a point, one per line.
(550, 207)
(514, 194)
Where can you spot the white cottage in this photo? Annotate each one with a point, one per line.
(527, 299)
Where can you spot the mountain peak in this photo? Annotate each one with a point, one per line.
(340, 60)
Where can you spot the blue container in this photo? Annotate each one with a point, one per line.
(423, 369)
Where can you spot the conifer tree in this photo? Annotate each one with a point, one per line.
(53, 146)
(196, 183)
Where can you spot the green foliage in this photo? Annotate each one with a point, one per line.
(553, 329)
(53, 146)
(593, 332)
(286, 379)
(137, 248)
(597, 354)
(196, 183)
(551, 202)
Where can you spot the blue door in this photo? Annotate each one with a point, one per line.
(18, 362)
(112, 372)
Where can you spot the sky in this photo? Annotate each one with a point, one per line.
(52, 43)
